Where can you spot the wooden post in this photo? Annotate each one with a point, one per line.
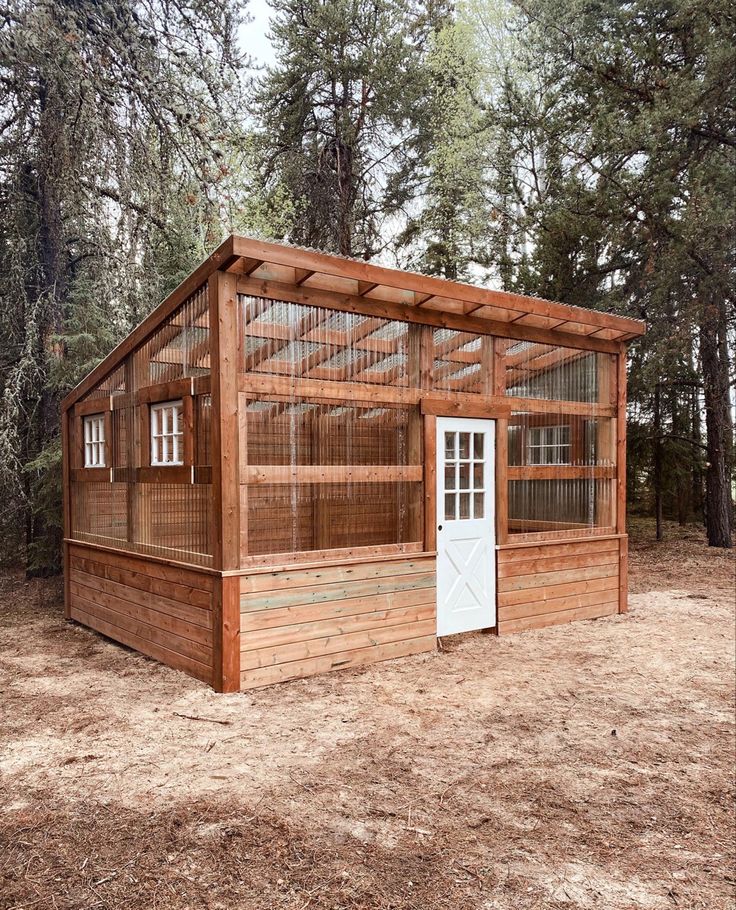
(420, 350)
(498, 388)
(430, 482)
(606, 508)
(502, 488)
(66, 470)
(243, 464)
(623, 577)
(223, 314)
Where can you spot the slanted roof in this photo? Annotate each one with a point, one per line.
(326, 271)
(291, 273)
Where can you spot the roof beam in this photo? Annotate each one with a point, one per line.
(308, 296)
(423, 284)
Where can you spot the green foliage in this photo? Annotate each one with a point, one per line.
(116, 143)
(450, 233)
(336, 118)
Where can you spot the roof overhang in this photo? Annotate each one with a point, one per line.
(307, 276)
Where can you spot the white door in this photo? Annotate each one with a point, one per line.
(466, 553)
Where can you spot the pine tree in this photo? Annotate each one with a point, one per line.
(112, 160)
(624, 136)
(336, 117)
(449, 235)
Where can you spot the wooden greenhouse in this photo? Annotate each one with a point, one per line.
(300, 462)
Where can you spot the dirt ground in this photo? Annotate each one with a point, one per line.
(585, 766)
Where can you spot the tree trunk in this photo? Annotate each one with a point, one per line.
(697, 475)
(44, 535)
(717, 426)
(346, 198)
(658, 458)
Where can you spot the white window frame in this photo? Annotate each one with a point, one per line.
(94, 440)
(171, 451)
(549, 445)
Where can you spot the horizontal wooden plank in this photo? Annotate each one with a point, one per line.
(441, 407)
(279, 474)
(560, 472)
(260, 384)
(181, 593)
(555, 619)
(93, 406)
(267, 600)
(346, 555)
(173, 634)
(165, 391)
(160, 568)
(542, 565)
(570, 533)
(198, 616)
(172, 659)
(549, 592)
(296, 578)
(544, 550)
(282, 636)
(320, 647)
(91, 475)
(187, 559)
(540, 580)
(336, 609)
(557, 604)
(343, 660)
(546, 526)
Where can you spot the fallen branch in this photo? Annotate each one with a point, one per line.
(209, 720)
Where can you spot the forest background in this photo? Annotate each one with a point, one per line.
(580, 151)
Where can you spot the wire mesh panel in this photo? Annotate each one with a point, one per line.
(552, 372)
(561, 455)
(462, 362)
(306, 342)
(327, 476)
(145, 503)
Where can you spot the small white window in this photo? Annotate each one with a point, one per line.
(94, 441)
(167, 433)
(549, 445)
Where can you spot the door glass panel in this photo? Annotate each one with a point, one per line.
(464, 445)
(478, 475)
(478, 505)
(450, 476)
(464, 470)
(478, 445)
(464, 505)
(449, 506)
(449, 445)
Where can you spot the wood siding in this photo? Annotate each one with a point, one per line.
(549, 584)
(299, 622)
(163, 611)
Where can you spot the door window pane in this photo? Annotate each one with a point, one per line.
(478, 445)
(478, 475)
(478, 505)
(449, 445)
(464, 476)
(449, 506)
(450, 476)
(464, 445)
(464, 505)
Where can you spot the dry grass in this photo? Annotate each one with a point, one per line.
(583, 766)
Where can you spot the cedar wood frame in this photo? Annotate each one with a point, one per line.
(257, 268)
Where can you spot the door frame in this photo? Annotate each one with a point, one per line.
(458, 423)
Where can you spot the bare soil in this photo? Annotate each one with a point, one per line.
(585, 766)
